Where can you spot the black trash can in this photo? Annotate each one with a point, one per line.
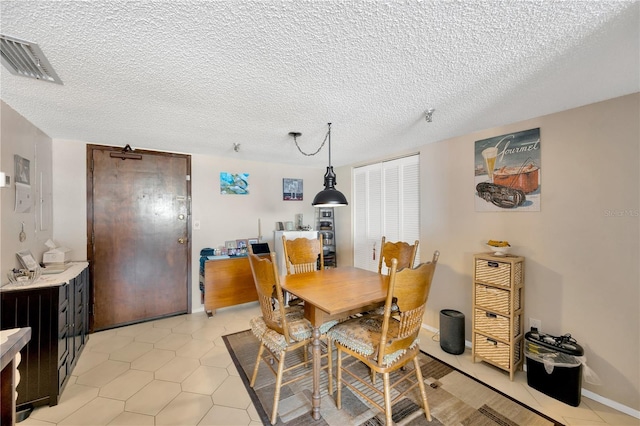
(452, 331)
(553, 367)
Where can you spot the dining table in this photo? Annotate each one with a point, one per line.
(333, 294)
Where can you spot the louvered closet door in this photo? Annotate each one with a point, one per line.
(386, 202)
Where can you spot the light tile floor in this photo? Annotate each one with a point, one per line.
(177, 371)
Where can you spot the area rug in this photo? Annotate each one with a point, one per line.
(454, 397)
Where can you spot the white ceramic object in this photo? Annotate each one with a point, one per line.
(499, 251)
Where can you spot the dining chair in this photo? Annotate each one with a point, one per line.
(282, 330)
(402, 251)
(303, 254)
(386, 343)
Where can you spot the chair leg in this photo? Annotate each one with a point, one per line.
(387, 399)
(276, 396)
(330, 365)
(255, 369)
(423, 393)
(339, 378)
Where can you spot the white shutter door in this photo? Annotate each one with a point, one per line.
(367, 215)
(410, 202)
(386, 202)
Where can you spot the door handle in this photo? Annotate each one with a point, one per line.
(182, 240)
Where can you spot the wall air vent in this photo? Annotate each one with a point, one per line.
(26, 59)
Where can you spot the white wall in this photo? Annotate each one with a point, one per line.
(19, 137)
(581, 250)
(221, 217)
(230, 217)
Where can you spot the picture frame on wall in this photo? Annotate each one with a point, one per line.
(292, 189)
(508, 172)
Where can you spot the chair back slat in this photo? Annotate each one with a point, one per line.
(405, 254)
(409, 290)
(267, 281)
(302, 254)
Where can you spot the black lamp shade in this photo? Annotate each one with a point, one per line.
(330, 196)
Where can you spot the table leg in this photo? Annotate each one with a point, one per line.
(315, 412)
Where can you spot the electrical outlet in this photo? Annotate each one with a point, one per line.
(535, 323)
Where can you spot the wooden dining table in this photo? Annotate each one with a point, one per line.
(332, 294)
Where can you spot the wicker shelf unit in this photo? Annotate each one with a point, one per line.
(498, 306)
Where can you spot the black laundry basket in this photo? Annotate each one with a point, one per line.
(553, 366)
(452, 331)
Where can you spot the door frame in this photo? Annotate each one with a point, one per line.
(90, 257)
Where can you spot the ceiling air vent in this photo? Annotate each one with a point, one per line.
(26, 59)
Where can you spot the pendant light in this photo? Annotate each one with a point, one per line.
(329, 196)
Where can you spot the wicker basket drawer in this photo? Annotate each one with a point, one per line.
(492, 272)
(497, 352)
(496, 299)
(496, 325)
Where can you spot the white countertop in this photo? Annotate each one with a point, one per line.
(50, 280)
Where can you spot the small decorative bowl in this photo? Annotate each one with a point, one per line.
(23, 276)
(499, 251)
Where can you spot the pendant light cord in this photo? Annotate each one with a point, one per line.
(327, 136)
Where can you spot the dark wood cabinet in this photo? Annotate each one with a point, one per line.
(58, 317)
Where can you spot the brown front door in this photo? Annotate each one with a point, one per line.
(138, 224)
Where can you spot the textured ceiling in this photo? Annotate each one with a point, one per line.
(199, 76)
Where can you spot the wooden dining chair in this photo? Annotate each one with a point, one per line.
(404, 252)
(303, 254)
(386, 343)
(282, 330)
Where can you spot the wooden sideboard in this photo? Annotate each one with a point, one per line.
(227, 282)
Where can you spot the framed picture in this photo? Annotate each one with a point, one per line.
(27, 260)
(234, 183)
(252, 241)
(508, 172)
(292, 189)
(241, 244)
(22, 168)
(230, 244)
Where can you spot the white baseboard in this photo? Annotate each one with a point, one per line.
(594, 396)
(613, 404)
(199, 309)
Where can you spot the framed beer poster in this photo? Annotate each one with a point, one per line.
(507, 172)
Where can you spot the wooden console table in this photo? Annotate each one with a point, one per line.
(227, 282)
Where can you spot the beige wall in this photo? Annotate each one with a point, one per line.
(19, 137)
(581, 249)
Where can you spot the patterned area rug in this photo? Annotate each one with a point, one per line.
(454, 398)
